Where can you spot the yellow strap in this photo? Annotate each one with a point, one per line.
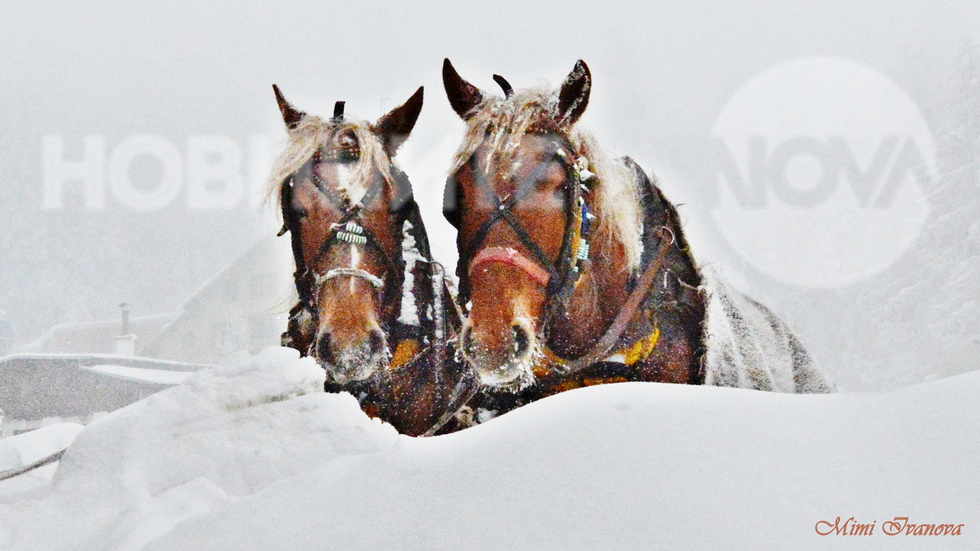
(545, 363)
(407, 349)
(642, 348)
(639, 352)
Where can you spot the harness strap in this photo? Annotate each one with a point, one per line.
(601, 349)
(461, 395)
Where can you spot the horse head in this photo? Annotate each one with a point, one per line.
(522, 193)
(344, 203)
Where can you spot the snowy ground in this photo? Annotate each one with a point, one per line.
(253, 456)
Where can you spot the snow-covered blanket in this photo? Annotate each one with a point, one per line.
(747, 346)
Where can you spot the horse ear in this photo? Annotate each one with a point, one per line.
(463, 96)
(290, 115)
(574, 95)
(395, 126)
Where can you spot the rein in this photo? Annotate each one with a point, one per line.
(17, 471)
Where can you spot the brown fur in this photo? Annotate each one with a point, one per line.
(348, 309)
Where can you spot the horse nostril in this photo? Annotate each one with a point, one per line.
(522, 341)
(323, 347)
(467, 340)
(376, 341)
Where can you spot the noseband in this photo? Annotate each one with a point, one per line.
(511, 257)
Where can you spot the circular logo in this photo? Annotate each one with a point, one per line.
(822, 164)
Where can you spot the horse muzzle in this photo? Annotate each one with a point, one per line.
(505, 362)
(355, 361)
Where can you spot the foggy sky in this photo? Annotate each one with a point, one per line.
(661, 73)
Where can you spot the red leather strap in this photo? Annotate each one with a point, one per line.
(511, 257)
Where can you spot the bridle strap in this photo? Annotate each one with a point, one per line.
(338, 236)
(502, 211)
(306, 279)
(301, 277)
(351, 214)
(560, 281)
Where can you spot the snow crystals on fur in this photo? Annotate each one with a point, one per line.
(747, 346)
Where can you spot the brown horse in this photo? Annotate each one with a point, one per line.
(372, 303)
(573, 267)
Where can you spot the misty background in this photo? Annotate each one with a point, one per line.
(662, 73)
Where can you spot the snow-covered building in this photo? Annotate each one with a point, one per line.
(77, 371)
(243, 308)
(41, 389)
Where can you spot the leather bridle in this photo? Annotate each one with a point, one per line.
(348, 230)
(558, 276)
(562, 274)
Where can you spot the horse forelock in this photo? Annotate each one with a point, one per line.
(312, 134)
(501, 123)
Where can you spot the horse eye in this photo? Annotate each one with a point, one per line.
(298, 210)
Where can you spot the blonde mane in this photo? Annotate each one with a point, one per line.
(311, 134)
(500, 123)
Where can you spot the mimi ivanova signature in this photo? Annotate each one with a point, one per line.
(899, 525)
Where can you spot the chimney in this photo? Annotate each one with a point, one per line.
(125, 318)
(125, 341)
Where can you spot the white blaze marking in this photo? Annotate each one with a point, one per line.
(355, 262)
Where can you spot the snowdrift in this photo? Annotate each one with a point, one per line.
(254, 456)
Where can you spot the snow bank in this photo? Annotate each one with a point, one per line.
(24, 449)
(224, 433)
(252, 457)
